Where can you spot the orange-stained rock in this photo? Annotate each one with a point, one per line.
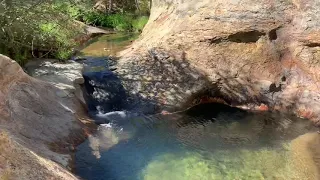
(305, 114)
(263, 107)
(244, 51)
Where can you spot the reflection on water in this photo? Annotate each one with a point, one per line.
(210, 141)
(108, 45)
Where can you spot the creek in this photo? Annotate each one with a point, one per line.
(206, 142)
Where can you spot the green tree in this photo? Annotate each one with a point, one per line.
(47, 28)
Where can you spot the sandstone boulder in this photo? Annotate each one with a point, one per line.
(242, 51)
(38, 129)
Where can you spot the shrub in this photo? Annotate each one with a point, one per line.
(139, 23)
(33, 28)
(119, 22)
(36, 28)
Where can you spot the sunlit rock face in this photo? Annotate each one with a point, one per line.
(244, 51)
(38, 127)
(65, 76)
(61, 75)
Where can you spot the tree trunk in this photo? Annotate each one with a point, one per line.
(137, 5)
(150, 5)
(110, 3)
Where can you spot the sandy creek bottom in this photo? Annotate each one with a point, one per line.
(207, 142)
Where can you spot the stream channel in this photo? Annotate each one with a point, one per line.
(206, 142)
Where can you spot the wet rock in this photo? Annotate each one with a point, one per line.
(103, 89)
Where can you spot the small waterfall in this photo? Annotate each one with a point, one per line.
(103, 90)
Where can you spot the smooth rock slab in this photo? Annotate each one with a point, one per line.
(36, 126)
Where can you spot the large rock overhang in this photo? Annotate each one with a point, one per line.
(244, 52)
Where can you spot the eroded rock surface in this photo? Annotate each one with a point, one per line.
(243, 51)
(38, 128)
(65, 76)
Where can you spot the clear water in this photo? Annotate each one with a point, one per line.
(108, 45)
(208, 142)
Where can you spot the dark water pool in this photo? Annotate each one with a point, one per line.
(207, 142)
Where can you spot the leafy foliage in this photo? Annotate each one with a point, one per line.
(120, 22)
(32, 28)
(140, 22)
(124, 17)
(48, 28)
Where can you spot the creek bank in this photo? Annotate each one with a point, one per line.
(90, 32)
(40, 123)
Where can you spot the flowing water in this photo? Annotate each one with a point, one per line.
(207, 142)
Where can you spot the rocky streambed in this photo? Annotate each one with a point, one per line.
(136, 139)
(208, 141)
(154, 103)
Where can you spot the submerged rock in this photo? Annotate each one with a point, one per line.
(305, 155)
(264, 163)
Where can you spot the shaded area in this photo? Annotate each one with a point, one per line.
(240, 37)
(103, 90)
(160, 80)
(246, 37)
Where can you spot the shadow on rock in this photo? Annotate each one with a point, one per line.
(103, 90)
